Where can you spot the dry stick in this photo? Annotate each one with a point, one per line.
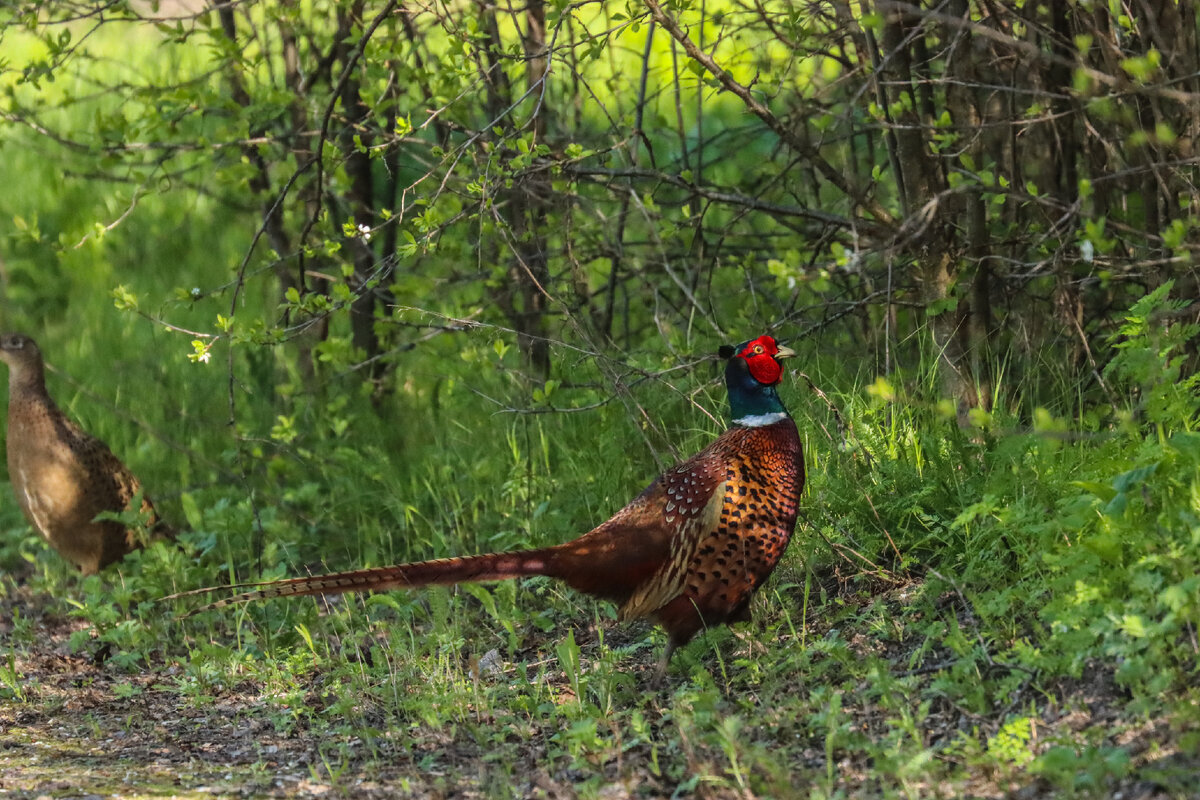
(1112, 398)
(881, 572)
(825, 430)
(619, 384)
(720, 196)
(179, 147)
(844, 427)
(882, 527)
(626, 386)
(133, 202)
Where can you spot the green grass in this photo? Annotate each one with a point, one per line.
(1010, 605)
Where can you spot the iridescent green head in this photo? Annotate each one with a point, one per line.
(751, 376)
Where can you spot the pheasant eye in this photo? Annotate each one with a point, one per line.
(758, 349)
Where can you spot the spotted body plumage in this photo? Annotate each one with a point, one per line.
(688, 552)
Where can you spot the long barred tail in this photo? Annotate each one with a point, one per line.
(444, 571)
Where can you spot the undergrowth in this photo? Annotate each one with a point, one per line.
(947, 593)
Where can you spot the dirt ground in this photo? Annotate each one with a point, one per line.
(82, 729)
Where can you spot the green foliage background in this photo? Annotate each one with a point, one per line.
(995, 545)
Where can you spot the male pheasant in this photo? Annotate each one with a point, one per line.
(688, 552)
(62, 476)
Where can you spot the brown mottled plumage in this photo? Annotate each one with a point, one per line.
(688, 552)
(62, 476)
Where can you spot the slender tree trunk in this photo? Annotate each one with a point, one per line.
(929, 236)
(523, 206)
(358, 135)
(531, 197)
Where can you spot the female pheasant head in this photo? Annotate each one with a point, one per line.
(751, 376)
(22, 356)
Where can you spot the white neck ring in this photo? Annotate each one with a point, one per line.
(759, 420)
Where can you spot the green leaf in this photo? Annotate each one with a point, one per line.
(942, 306)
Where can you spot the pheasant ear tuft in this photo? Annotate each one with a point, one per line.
(726, 351)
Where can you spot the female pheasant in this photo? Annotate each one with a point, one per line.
(62, 476)
(688, 552)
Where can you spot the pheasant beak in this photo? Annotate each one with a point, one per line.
(784, 352)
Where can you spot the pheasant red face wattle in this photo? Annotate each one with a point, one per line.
(761, 356)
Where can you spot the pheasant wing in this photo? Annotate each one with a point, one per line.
(111, 484)
(691, 496)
